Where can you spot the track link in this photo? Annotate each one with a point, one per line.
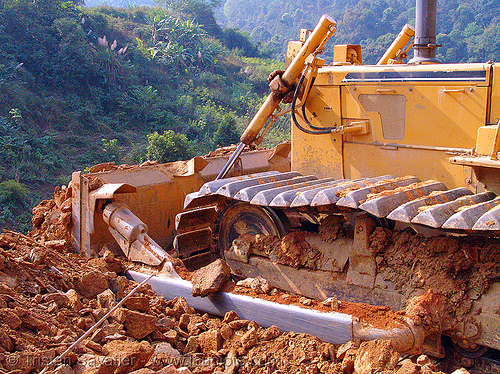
(404, 199)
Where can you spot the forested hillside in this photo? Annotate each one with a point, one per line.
(80, 86)
(469, 30)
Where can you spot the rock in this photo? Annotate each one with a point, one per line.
(94, 364)
(58, 298)
(64, 369)
(11, 319)
(196, 325)
(231, 362)
(341, 351)
(170, 369)
(423, 360)
(192, 345)
(74, 300)
(5, 290)
(305, 301)
(2, 261)
(33, 322)
(165, 349)
(106, 299)
(347, 365)
(183, 370)
(426, 369)
(210, 279)
(184, 321)
(38, 255)
(129, 356)
(115, 266)
(226, 332)
(181, 306)
(137, 325)
(143, 371)
(259, 285)
(164, 324)
(375, 356)
(108, 256)
(5, 342)
(230, 316)
(138, 303)
(408, 367)
(253, 325)
(171, 336)
(210, 341)
(58, 245)
(11, 281)
(270, 333)
(461, 371)
(327, 351)
(93, 346)
(238, 324)
(91, 284)
(249, 339)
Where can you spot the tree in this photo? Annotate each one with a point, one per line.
(226, 133)
(168, 147)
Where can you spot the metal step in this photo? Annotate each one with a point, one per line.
(232, 188)
(195, 219)
(284, 199)
(212, 186)
(466, 218)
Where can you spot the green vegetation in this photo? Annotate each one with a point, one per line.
(467, 29)
(81, 86)
(168, 147)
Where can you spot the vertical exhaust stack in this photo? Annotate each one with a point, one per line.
(425, 33)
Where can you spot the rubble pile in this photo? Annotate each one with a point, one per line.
(49, 298)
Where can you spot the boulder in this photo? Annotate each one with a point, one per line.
(129, 356)
(210, 341)
(91, 284)
(137, 325)
(375, 356)
(210, 279)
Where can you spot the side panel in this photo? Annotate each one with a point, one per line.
(319, 155)
(414, 127)
(419, 116)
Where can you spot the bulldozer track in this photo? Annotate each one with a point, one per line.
(403, 199)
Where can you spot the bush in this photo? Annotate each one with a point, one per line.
(226, 133)
(13, 193)
(168, 147)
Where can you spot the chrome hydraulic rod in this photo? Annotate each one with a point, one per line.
(231, 161)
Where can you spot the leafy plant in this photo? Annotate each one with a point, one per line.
(168, 146)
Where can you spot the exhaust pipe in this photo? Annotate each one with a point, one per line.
(425, 33)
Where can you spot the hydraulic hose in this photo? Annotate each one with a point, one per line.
(315, 130)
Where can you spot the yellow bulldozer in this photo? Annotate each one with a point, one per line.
(386, 195)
